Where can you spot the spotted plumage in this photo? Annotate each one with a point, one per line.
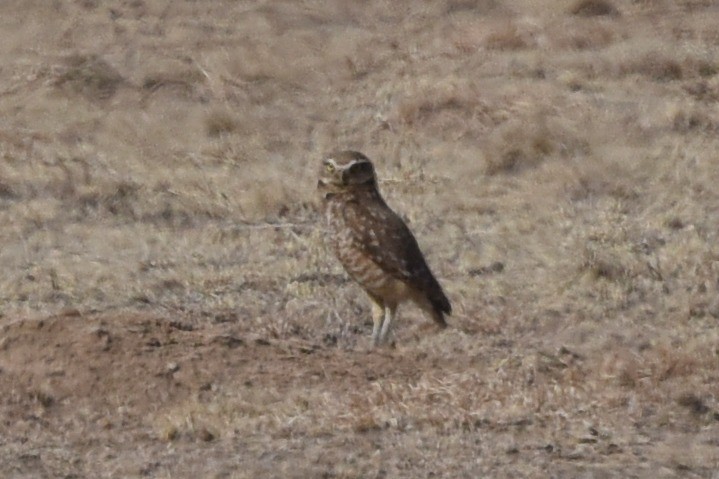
(374, 245)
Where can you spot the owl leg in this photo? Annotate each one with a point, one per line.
(377, 314)
(389, 311)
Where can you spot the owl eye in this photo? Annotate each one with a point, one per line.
(330, 167)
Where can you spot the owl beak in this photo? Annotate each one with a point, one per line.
(320, 184)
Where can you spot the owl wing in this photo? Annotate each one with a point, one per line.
(387, 240)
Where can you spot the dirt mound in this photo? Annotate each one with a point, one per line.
(85, 380)
(146, 395)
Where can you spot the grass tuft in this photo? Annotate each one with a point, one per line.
(594, 8)
(220, 123)
(90, 76)
(508, 36)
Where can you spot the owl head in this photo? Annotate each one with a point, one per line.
(345, 171)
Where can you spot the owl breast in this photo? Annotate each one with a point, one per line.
(357, 261)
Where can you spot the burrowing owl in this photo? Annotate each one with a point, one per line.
(374, 245)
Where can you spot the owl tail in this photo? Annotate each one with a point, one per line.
(438, 317)
(440, 307)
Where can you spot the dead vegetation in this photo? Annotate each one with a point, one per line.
(509, 36)
(90, 76)
(594, 8)
(168, 307)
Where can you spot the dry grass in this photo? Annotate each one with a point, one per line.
(594, 8)
(509, 36)
(556, 160)
(90, 76)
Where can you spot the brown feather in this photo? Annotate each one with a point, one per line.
(382, 234)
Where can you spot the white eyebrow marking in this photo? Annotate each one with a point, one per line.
(354, 162)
